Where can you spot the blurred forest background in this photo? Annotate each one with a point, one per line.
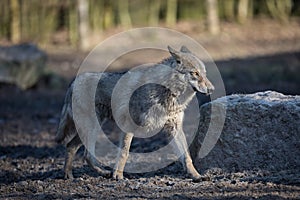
(255, 43)
(74, 22)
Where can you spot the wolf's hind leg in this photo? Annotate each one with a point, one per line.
(124, 146)
(72, 148)
(95, 164)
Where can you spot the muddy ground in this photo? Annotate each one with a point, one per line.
(31, 162)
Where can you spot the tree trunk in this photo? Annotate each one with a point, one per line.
(5, 19)
(73, 24)
(250, 9)
(96, 15)
(45, 20)
(171, 16)
(228, 6)
(108, 16)
(212, 17)
(154, 12)
(242, 11)
(83, 24)
(15, 21)
(124, 15)
(280, 9)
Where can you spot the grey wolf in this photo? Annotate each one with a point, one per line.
(180, 86)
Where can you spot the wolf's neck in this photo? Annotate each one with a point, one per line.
(180, 89)
(186, 95)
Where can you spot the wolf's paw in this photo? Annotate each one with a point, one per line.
(201, 179)
(102, 172)
(117, 175)
(69, 176)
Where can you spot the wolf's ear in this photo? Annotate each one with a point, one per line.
(184, 49)
(174, 53)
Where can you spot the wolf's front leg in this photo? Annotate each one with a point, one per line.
(124, 146)
(181, 149)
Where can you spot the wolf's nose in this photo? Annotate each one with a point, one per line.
(210, 90)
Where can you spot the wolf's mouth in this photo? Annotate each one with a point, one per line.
(195, 89)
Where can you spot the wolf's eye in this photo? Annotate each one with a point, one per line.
(195, 73)
(178, 62)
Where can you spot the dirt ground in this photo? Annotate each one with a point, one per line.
(31, 162)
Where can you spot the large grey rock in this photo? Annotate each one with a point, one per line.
(261, 131)
(21, 64)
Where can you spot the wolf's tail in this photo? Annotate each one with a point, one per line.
(64, 130)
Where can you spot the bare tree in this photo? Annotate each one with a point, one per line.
(96, 16)
(212, 17)
(15, 21)
(83, 24)
(280, 9)
(228, 6)
(171, 12)
(242, 11)
(125, 19)
(154, 12)
(72, 23)
(108, 15)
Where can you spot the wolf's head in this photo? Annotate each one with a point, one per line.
(193, 68)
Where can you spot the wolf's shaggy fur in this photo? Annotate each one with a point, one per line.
(151, 106)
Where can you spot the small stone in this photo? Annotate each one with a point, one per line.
(24, 183)
(52, 121)
(40, 188)
(170, 183)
